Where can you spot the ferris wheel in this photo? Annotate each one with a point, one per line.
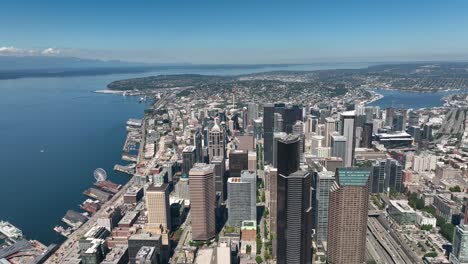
(100, 175)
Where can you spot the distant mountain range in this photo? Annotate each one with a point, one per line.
(22, 63)
(13, 67)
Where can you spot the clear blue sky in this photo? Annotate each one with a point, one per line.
(229, 31)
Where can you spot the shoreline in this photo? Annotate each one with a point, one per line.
(376, 97)
(108, 91)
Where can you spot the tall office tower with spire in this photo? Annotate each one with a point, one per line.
(202, 201)
(216, 146)
(330, 127)
(294, 211)
(347, 218)
(348, 128)
(459, 253)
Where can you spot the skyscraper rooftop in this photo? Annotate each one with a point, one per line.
(353, 176)
(348, 113)
(289, 138)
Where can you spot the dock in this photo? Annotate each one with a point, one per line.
(128, 157)
(74, 219)
(94, 193)
(91, 206)
(128, 169)
(63, 231)
(108, 186)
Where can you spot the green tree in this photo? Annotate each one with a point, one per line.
(248, 249)
(265, 212)
(440, 221)
(426, 227)
(429, 209)
(455, 189)
(446, 230)
(432, 254)
(259, 245)
(229, 229)
(259, 259)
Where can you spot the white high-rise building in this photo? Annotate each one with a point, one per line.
(216, 142)
(253, 112)
(348, 127)
(330, 127)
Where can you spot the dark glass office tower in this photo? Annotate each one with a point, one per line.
(188, 159)
(198, 146)
(268, 127)
(288, 155)
(294, 211)
(290, 116)
(378, 176)
(294, 218)
(367, 135)
(386, 176)
(238, 161)
(394, 177)
(398, 122)
(413, 118)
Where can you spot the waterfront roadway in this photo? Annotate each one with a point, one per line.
(68, 252)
